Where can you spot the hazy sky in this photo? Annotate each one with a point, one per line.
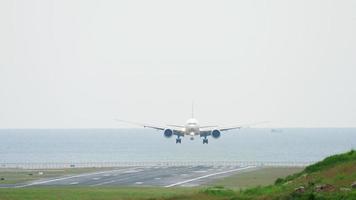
(80, 64)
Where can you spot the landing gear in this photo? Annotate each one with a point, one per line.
(205, 141)
(178, 140)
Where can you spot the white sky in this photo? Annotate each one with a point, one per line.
(80, 64)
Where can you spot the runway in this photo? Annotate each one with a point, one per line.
(143, 176)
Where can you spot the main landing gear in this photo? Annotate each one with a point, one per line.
(205, 141)
(178, 140)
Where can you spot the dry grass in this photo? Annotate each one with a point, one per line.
(258, 177)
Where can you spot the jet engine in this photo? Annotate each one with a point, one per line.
(168, 133)
(215, 133)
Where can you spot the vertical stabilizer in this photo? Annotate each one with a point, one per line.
(192, 109)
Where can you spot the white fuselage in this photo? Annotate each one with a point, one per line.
(192, 128)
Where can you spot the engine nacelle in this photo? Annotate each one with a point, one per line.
(215, 133)
(168, 133)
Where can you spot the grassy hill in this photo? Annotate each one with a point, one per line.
(328, 179)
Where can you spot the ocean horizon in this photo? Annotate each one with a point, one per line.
(139, 145)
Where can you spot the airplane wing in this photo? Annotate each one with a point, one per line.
(204, 127)
(230, 128)
(142, 124)
(176, 131)
(173, 125)
(206, 130)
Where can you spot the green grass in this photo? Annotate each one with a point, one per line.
(88, 193)
(338, 169)
(332, 161)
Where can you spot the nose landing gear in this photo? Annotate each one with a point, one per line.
(178, 140)
(205, 141)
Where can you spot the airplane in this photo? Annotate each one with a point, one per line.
(191, 129)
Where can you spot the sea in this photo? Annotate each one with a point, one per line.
(119, 145)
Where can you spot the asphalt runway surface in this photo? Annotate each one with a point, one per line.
(142, 176)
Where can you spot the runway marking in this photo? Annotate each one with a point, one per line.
(139, 183)
(133, 171)
(108, 182)
(74, 183)
(103, 183)
(65, 178)
(209, 175)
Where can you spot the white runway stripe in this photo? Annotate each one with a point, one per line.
(209, 175)
(108, 182)
(103, 183)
